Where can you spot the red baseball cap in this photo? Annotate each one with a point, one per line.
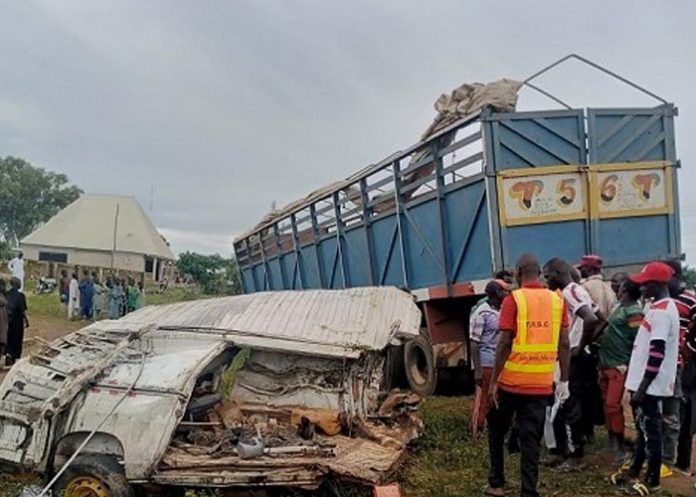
(654, 271)
(594, 261)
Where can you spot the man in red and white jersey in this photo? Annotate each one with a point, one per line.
(651, 376)
(678, 424)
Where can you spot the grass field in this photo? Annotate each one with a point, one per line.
(48, 317)
(47, 305)
(446, 462)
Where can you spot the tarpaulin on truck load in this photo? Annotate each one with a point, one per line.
(470, 98)
(465, 100)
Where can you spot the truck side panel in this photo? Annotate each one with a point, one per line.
(451, 209)
(418, 221)
(469, 233)
(388, 258)
(356, 256)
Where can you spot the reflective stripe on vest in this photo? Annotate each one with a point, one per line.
(535, 348)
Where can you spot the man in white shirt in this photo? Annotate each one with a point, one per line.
(73, 297)
(584, 323)
(651, 375)
(16, 266)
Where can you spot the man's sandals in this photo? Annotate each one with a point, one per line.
(640, 488)
(631, 485)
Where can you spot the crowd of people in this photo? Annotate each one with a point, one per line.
(87, 298)
(13, 321)
(13, 313)
(564, 351)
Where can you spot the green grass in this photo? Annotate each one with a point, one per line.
(45, 305)
(12, 486)
(446, 462)
(48, 304)
(173, 295)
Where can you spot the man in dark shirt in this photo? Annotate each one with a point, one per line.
(64, 287)
(3, 320)
(18, 321)
(685, 406)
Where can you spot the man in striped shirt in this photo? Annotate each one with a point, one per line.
(677, 419)
(483, 334)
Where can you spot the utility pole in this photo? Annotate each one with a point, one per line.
(113, 251)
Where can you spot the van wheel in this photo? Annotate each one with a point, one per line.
(94, 475)
(419, 363)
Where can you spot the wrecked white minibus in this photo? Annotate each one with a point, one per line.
(271, 389)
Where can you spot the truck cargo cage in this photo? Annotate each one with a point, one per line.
(441, 216)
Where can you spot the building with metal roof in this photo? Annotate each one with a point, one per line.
(102, 231)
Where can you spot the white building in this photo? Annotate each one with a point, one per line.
(104, 231)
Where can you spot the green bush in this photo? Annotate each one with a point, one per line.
(215, 274)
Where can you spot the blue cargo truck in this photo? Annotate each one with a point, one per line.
(441, 217)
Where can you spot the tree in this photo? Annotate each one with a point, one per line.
(5, 251)
(30, 196)
(689, 273)
(215, 274)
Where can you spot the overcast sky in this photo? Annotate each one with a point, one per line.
(222, 107)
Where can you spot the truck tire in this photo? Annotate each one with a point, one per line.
(419, 362)
(93, 475)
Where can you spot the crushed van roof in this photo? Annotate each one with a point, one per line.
(319, 322)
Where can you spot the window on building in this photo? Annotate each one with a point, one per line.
(53, 257)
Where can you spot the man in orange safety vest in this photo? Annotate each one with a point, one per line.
(533, 337)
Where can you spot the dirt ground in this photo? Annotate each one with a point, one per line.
(49, 328)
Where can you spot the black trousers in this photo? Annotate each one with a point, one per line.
(592, 403)
(572, 416)
(648, 444)
(15, 339)
(530, 412)
(684, 448)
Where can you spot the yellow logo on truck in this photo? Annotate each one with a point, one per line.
(598, 191)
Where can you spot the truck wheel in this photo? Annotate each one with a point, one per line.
(419, 363)
(94, 475)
